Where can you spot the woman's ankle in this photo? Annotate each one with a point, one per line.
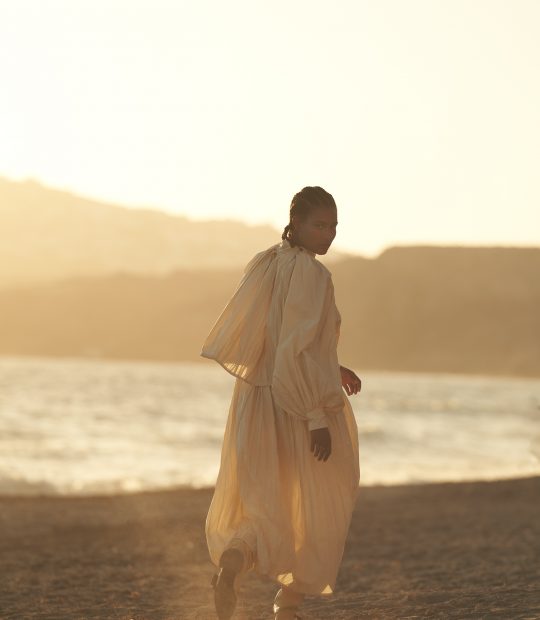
(232, 560)
(238, 545)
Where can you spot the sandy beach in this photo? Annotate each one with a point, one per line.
(452, 550)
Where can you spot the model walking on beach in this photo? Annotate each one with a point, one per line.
(289, 471)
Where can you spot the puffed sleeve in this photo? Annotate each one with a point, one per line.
(237, 339)
(306, 381)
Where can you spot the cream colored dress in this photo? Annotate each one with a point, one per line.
(278, 335)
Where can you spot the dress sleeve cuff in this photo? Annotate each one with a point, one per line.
(317, 419)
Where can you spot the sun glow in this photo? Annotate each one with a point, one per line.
(420, 118)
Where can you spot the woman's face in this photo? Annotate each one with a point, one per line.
(317, 231)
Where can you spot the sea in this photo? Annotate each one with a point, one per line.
(85, 426)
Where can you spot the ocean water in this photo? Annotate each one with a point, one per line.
(73, 426)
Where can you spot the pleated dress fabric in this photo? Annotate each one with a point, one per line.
(278, 336)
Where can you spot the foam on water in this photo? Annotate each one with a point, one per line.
(81, 427)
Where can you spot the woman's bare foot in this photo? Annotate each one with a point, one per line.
(286, 604)
(230, 563)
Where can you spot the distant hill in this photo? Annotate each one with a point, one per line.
(451, 309)
(46, 235)
(431, 309)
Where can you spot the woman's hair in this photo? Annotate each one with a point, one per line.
(304, 202)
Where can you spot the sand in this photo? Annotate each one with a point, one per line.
(453, 550)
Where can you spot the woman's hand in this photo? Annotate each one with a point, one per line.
(321, 443)
(350, 381)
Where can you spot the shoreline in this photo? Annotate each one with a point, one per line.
(188, 488)
(201, 361)
(423, 550)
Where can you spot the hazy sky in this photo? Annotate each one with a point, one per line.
(420, 117)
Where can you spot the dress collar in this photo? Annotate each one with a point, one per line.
(285, 244)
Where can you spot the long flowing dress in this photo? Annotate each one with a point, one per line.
(278, 336)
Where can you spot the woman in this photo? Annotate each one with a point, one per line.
(289, 472)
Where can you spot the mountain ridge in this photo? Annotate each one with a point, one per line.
(47, 234)
(454, 315)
